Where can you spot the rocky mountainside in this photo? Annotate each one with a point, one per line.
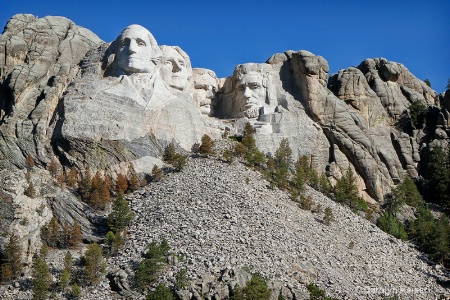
(68, 97)
(222, 220)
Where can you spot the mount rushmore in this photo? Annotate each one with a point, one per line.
(67, 94)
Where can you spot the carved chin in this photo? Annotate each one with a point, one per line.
(252, 112)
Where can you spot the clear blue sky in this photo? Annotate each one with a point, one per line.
(218, 35)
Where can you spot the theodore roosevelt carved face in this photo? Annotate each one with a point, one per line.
(137, 50)
(175, 67)
(205, 88)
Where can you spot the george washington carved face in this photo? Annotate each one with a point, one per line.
(135, 50)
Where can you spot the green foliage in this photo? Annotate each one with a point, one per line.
(169, 153)
(43, 252)
(328, 217)
(252, 154)
(161, 292)
(448, 84)
(315, 293)
(12, 260)
(405, 192)
(255, 289)
(157, 173)
(182, 280)
(207, 145)
(390, 224)
(427, 82)
(121, 214)
(439, 177)
(346, 192)
(283, 160)
(152, 263)
(95, 265)
(418, 113)
(431, 235)
(179, 162)
(41, 279)
(228, 155)
(76, 291)
(306, 203)
(64, 280)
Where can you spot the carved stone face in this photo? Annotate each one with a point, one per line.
(135, 51)
(205, 91)
(251, 94)
(173, 69)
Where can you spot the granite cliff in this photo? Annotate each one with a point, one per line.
(68, 96)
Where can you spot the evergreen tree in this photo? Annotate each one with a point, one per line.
(72, 177)
(53, 168)
(427, 82)
(390, 224)
(169, 153)
(12, 259)
(252, 154)
(157, 173)
(76, 236)
(30, 191)
(43, 252)
(418, 113)
(151, 265)
(133, 180)
(121, 214)
(121, 183)
(95, 265)
(256, 288)
(54, 233)
(65, 235)
(84, 187)
(346, 192)
(207, 145)
(41, 279)
(161, 293)
(29, 162)
(76, 291)
(179, 162)
(439, 177)
(283, 158)
(405, 192)
(328, 217)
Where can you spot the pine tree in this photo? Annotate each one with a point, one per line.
(41, 279)
(72, 178)
(54, 233)
(439, 177)
(121, 214)
(76, 291)
(84, 187)
(133, 180)
(76, 236)
(65, 235)
(283, 158)
(12, 260)
(329, 216)
(30, 191)
(161, 292)
(346, 192)
(29, 162)
(207, 145)
(95, 265)
(157, 173)
(405, 192)
(252, 154)
(179, 162)
(121, 183)
(53, 168)
(169, 153)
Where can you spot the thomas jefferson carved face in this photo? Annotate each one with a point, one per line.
(174, 69)
(134, 52)
(251, 94)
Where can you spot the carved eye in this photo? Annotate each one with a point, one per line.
(167, 62)
(255, 87)
(140, 43)
(181, 63)
(124, 42)
(241, 89)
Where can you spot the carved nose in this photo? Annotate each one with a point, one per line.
(132, 48)
(247, 93)
(176, 67)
